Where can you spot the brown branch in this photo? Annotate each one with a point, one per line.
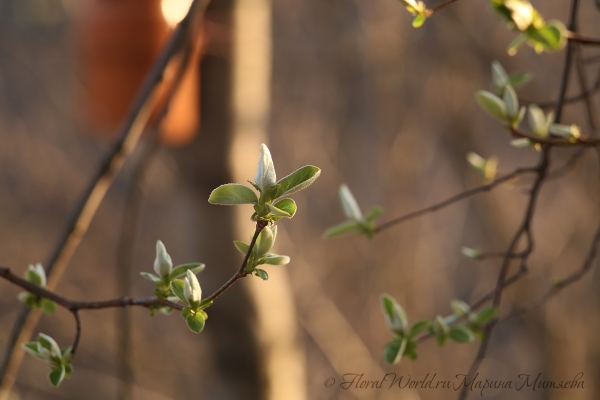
(241, 273)
(437, 8)
(584, 40)
(555, 142)
(76, 305)
(77, 333)
(454, 199)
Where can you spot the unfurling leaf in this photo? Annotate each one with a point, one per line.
(233, 193)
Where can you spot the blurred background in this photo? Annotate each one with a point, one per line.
(346, 85)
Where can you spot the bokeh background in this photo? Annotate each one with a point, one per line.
(347, 85)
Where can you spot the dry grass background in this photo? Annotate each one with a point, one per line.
(385, 108)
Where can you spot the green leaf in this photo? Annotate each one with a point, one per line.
(261, 273)
(392, 352)
(66, 353)
(31, 348)
(395, 316)
(519, 79)
(255, 186)
(551, 36)
(511, 101)
(499, 76)
(177, 286)
(461, 334)
(491, 104)
(296, 181)
(68, 370)
(276, 211)
(195, 322)
(411, 349)
(264, 242)
(373, 213)
(470, 252)
(274, 259)
(233, 193)
(459, 307)
(48, 306)
(419, 327)
(287, 205)
(241, 246)
(537, 121)
(57, 375)
(205, 303)
(486, 315)
(150, 276)
(181, 270)
(342, 228)
(32, 276)
(419, 20)
(186, 312)
(513, 47)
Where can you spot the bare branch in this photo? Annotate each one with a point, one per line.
(454, 199)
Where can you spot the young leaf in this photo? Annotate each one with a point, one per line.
(264, 242)
(342, 228)
(499, 76)
(178, 288)
(48, 306)
(419, 327)
(150, 276)
(519, 79)
(233, 193)
(274, 259)
(276, 211)
(491, 104)
(511, 101)
(419, 20)
(57, 375)
(392, 352)
(32, 348)
(537, 121)
(349, 204)
(470, 252)
(395, 317)
(373, 213)
(486, 315)
(181, 270)
(459, 307)
(297, 180)
(195, 322)
(287, 205)
(262, 274)
(461, 334)
(241, 246)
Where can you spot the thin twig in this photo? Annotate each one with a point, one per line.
(584, 40)
(454, 199)
(76, 305)
(77, 332)
(241, 273)
(437, 8)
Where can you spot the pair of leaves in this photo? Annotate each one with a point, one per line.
(195, 319)
(46, 349)
(178, 272)
(33, 302)
(235, 193)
